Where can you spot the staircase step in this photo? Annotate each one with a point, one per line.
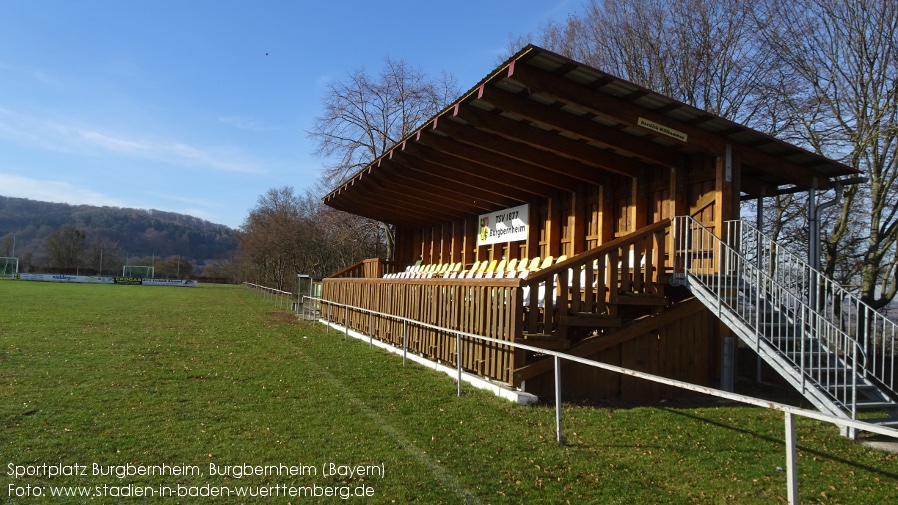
(861, 388)
(549, 342)
(590, 319)
(875, 405)
(640, 299)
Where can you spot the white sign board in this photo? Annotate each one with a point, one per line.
(90, 279)
(509, 225)
(169, 282)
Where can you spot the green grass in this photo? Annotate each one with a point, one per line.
(118, 375)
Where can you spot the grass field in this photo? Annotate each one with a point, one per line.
(121, 379)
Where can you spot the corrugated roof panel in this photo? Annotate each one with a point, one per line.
(743, 137)
(546, 61)
(714, 126)
(583, 76)
(684, 114)
(618, 89)
(650, 102)
(605, 121)
(510, 85)
(570, 109)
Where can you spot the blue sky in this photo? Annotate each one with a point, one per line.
(174, 105)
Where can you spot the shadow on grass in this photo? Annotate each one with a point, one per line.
(782, 441)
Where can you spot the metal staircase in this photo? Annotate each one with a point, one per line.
(834, 349)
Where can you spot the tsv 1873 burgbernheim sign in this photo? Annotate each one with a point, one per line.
(508, 225)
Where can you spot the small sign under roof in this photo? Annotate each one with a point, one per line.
(664, 130)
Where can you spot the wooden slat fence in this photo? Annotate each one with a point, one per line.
(629, 269)
(369, 268)
(488, 307)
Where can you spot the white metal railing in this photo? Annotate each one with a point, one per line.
(826, 341)
(876, 334)
(821, 360)
(790, 412)
(282, 299)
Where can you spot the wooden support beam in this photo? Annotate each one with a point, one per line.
(593, 345)
(579, 217)
(581, 126)
(499, 167)
(522, 131)
(567, 91)
(521, 153)
(606, 207)
(473, 173)
(553, 234)
(726, 184)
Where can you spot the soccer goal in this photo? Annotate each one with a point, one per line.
(143, 272)
(9, 267)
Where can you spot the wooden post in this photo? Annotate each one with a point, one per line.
(640, 206)
(553, 233)
(578, 210)
(726, 188)
(728, 172)
(606, 208)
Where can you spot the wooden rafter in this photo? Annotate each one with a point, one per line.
(541, 125)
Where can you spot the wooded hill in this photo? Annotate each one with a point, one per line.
(134, 232)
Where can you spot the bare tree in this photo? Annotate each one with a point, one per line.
(104, 255)
(705, 54)
(7, 245)
(840, 62)
(65, 246)
(288, 234)
(365, 115)
(173, 267)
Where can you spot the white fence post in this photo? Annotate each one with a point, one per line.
(791, 460)
(560, 435)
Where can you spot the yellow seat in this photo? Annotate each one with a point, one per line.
(510, 268)
(536, 264)
(484, 268)
(470, 273)
(496, 270)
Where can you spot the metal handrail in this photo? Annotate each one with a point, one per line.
(766, 312)
(271, 294)
(789, 411)
(877, 334)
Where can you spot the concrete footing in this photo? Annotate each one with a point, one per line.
(499, 389)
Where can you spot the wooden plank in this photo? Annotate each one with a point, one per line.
(639, 354)
(589, 319)
(594, 345)
(643, 299)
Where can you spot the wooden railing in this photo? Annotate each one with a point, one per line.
(488, 307)
(372, 268)
(589, 288)
(585, 290)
